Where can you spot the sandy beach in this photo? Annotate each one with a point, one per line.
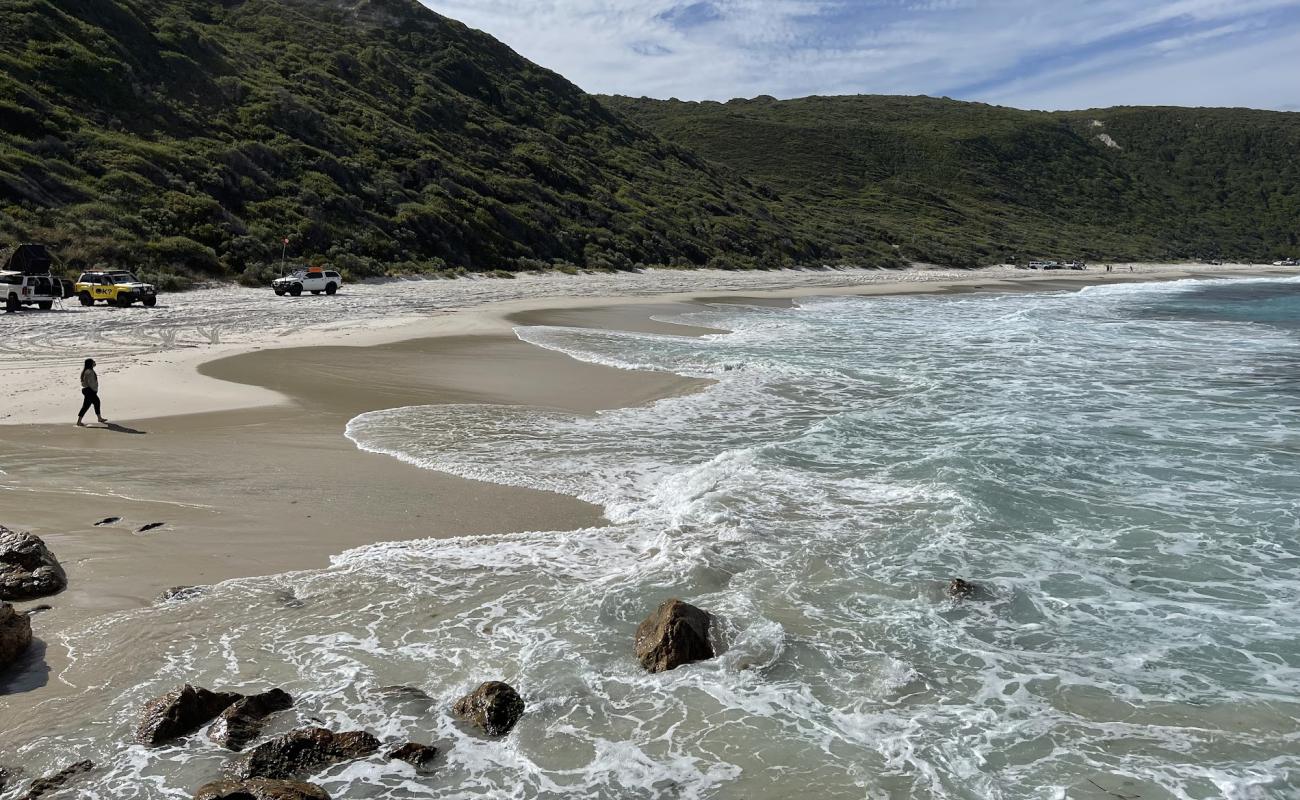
(231, 434)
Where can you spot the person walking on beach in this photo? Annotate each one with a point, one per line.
(89, 391)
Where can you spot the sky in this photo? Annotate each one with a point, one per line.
(1043, 54)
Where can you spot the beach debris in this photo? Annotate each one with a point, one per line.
(494, 708)
(150, 526)
(260, 789)
(241, 722)
(58, 780)
(28, 569)
(961, 589)
(420, 756)
(108, 521)
(180, 711)
(15, 635)
(676, 633)
(179, 594)
(41, 609)
(302, 751)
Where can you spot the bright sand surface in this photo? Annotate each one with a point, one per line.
(237, 445)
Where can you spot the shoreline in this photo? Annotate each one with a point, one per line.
(166, 380)
(274, 487)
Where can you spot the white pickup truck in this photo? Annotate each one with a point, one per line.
(314, 280)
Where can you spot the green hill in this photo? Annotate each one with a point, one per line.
(966, 183)
(192, 136)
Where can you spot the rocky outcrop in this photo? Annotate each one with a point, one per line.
(260, 789)
(494, 708)
(52, 783)
(302, 751)
(179, 712)
(241, 722)
(15, 635)
(676, 633)
(420, 756)
(27, 568)
(959, 589)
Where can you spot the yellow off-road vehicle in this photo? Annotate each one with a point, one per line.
(114, 288)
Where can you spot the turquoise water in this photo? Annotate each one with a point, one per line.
(1119, 467)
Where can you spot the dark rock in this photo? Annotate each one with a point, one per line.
(179, 712)
(676, 633)
(27, 568)
(42, 786)
(420, 756)
(6, 775)
(494, 708)
(241, 722)
(959, 589)
(402, 693)
(41, 609)
(150, 526)
(288, 599)
(108, 521)
(260, 789)
(302, 751)
(15, 635)
(179, 594)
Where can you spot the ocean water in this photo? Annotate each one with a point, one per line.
(1119, 467)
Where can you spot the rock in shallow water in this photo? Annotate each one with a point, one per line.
(302, 751)
(15, 635)
(959, 589)
(494, 708)
(420, 756)
(260, 789)
(676, 633)
(241, 722)
(179, 712)
(52, 783)
(27, 568)
(179, 594)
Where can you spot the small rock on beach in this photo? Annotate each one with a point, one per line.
(15, 635)
(241, 722)
(494, 708)
(28, 569)
(677, 633)
(420, 756)
(52, 783)
(302, 751)
(179, 712)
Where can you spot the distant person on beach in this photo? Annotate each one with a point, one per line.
(89, 391)
(1108, 267)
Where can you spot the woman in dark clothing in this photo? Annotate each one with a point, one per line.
(90, 391)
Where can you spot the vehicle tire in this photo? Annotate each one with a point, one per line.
(124, 301)
(331, 288)
(295, 290)
(11, 303)
(150, 302)
(279, 292)
(86, 299)
(45, 305)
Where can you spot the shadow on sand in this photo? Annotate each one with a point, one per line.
(113, 426)
(28, 673)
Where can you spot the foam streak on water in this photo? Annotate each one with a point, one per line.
(1118, 465)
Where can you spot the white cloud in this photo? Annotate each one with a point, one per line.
(1019, 52)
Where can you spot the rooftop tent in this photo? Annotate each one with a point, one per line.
(29, 259)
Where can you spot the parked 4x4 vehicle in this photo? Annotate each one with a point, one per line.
(30, 290)
(314, 280)
(115, 288)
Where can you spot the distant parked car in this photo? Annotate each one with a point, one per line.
(29, 290)
(314, 280)
(1287, 262)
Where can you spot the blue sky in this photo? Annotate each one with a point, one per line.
(1024, 53)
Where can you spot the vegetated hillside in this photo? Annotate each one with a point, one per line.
(192, 135)
(966, 183)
